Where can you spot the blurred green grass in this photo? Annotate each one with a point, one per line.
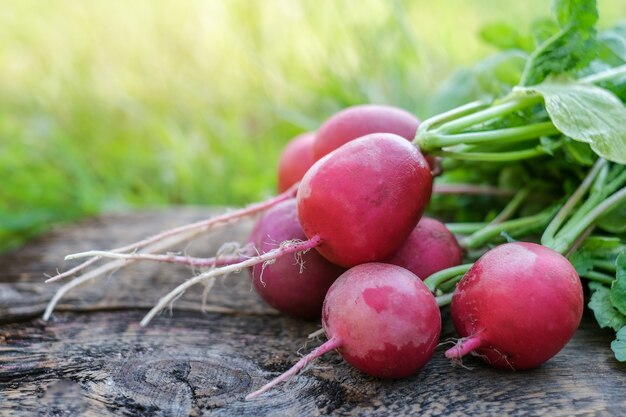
(111, 105)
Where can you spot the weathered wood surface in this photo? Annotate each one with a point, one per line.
(94, 359)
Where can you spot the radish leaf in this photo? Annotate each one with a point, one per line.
(619, 345)
(571, 48)
(604, 311)
(587, 113)
(618, 288)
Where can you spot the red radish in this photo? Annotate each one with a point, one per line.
(381, 318)
(362, 120)
(365, 198)
(517, 306)
(430, 248)
(357, 204)
(294, 288)
(295, 160)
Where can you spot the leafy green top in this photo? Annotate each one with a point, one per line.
(570, 48)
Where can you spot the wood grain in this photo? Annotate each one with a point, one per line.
(94, 359)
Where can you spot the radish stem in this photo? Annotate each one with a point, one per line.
(508, 134)
(492, 156)
(506, 107)
(433, 281)
(471, 189)
(557, 221)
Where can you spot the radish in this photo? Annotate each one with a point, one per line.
(364, 199)
(344, 206)
(150, 245)
(381, 318)
(430, 248)
(357, 121)
(295, 160)
(294, 288)
(517, 306)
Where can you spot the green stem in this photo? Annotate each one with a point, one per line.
(550, 232)
(490, 113)
(538, 51)
(606, 265)
(444, 300)
(516, 226)
(450, 114)
(512, 206)
(598, 195)
(604, 75)
(449, 285)
(616, 182)
(433, 281)
(435, 140)
(566, 239)
(491, 156)
(598, 277)
(580, 240)
(465, 228)
(456, 188)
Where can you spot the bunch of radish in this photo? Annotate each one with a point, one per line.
(346, 238)
(363, 248)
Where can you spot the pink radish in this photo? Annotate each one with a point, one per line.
(430, 248)
(357, 204)
(357, 121)
(296, 288)
(364, 199)
(362, 120)
(295, 160)
(517, 306)
(381, 318)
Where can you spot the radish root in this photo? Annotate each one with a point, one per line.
(168, 258)
(329, 345)
(194, 229)
(156, 243)
(285, 248)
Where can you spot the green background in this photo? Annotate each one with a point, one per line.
(114, 105)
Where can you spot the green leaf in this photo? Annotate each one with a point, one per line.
(604, 311)
(618, 288)
(582, 261)
(549, 145)
(612, 45)
(571, 48)
(581, 13)
(602, 245)
(611, 54)
(619, 345)
(587, 113)
(504, 36)
(579, 152)
(543, 29)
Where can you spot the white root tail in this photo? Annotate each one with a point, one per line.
(285, 248)
(156, 243)
(174, 259)
(101, 270)
(190, 230)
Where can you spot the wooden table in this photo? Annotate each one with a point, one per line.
(93, 358)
